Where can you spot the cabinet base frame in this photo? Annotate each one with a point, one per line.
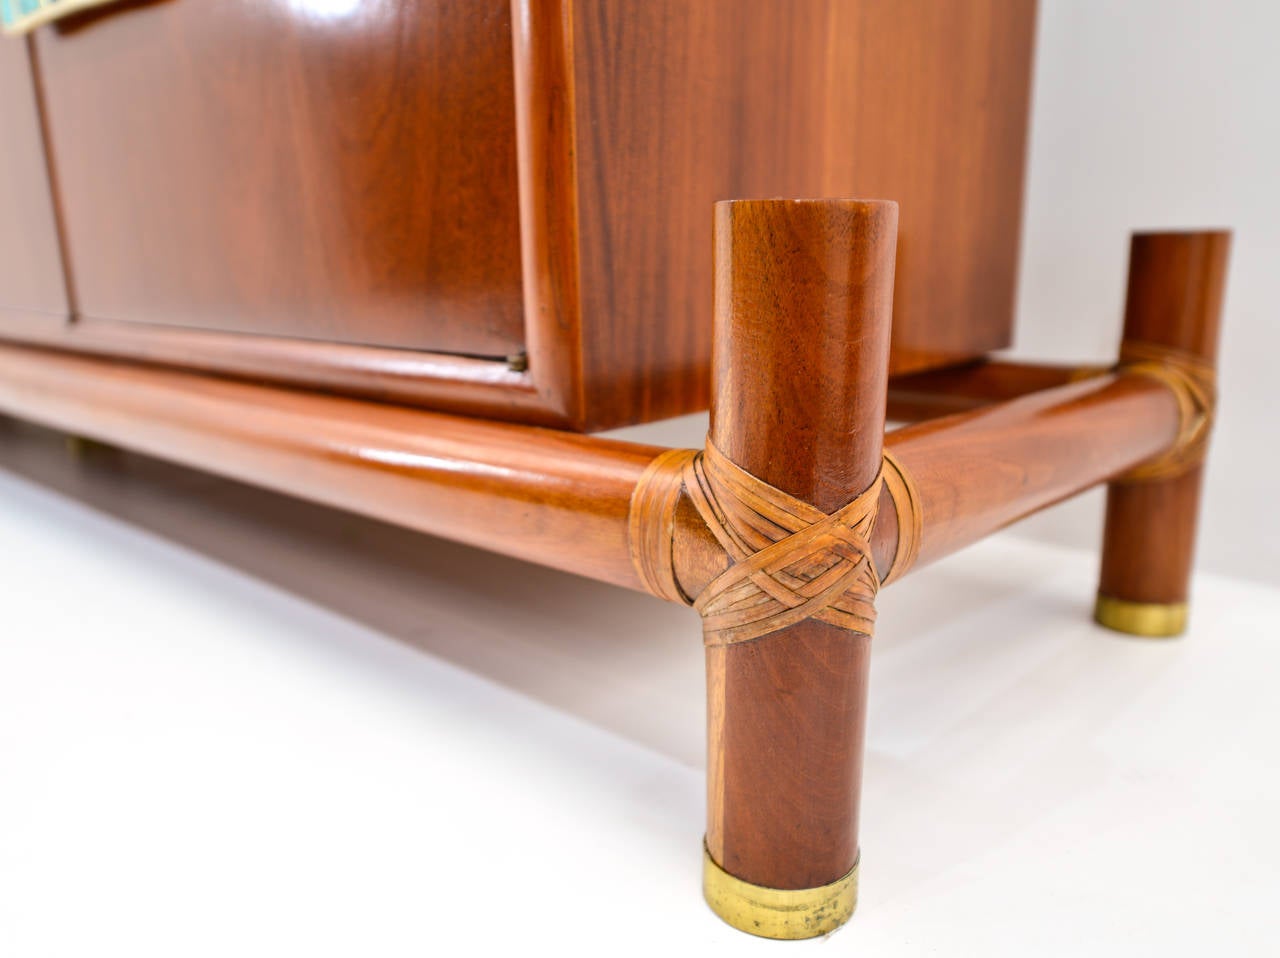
(1018, 438)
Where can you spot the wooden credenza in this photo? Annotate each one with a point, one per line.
(396, 255)
(492, 208)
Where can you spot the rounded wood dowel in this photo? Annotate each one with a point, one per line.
(541, 495)
(1174, 304)
(803, 299)
(979, 471)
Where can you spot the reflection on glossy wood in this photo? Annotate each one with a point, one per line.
(544, 495)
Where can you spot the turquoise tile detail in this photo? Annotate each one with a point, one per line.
(18, 16)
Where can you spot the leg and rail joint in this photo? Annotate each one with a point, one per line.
(785, 573)
(780, 531)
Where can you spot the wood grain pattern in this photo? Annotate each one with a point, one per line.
(681, 104)
(1176, 285)
(345, 175)
(803, 302)
(30, 260)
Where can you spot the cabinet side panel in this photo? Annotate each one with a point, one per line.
(30, 261)
(680, 105)
(931, 109)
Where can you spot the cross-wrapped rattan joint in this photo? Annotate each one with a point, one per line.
(789, 561)
(1194, 385)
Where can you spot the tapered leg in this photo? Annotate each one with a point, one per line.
(803, 303)
(1171, 321)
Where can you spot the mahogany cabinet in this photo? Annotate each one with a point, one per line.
(494, 207)
(367, 251)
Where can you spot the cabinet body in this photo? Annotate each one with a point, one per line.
(497, 207)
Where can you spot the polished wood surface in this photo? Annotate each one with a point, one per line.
(979, 471)
(804, 293)
(539, 183)
(542, 33)
(682, 104)
(548, 392)
(30, 260)
(543, 495)
(941, 392)
(345, 173)
(976, 471)
(456, 384)
(1176, 285)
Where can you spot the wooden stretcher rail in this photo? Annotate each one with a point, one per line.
(941, 392)
(557, 498)
(976, 472)
(551, 497)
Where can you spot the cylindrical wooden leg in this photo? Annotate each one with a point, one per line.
(803, 300)
(1174, 302)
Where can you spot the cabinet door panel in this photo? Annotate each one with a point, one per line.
(339, 170)
(30, 263)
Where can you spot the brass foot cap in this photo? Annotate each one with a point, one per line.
(781, 913)
(1152, 619)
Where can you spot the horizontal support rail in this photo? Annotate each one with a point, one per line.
(941, 392)
(561, 499)
(979, 471)
(551, 497)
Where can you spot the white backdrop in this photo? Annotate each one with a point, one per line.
(1153, 114)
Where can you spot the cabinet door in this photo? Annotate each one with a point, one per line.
(30, 263)
(336, 170)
